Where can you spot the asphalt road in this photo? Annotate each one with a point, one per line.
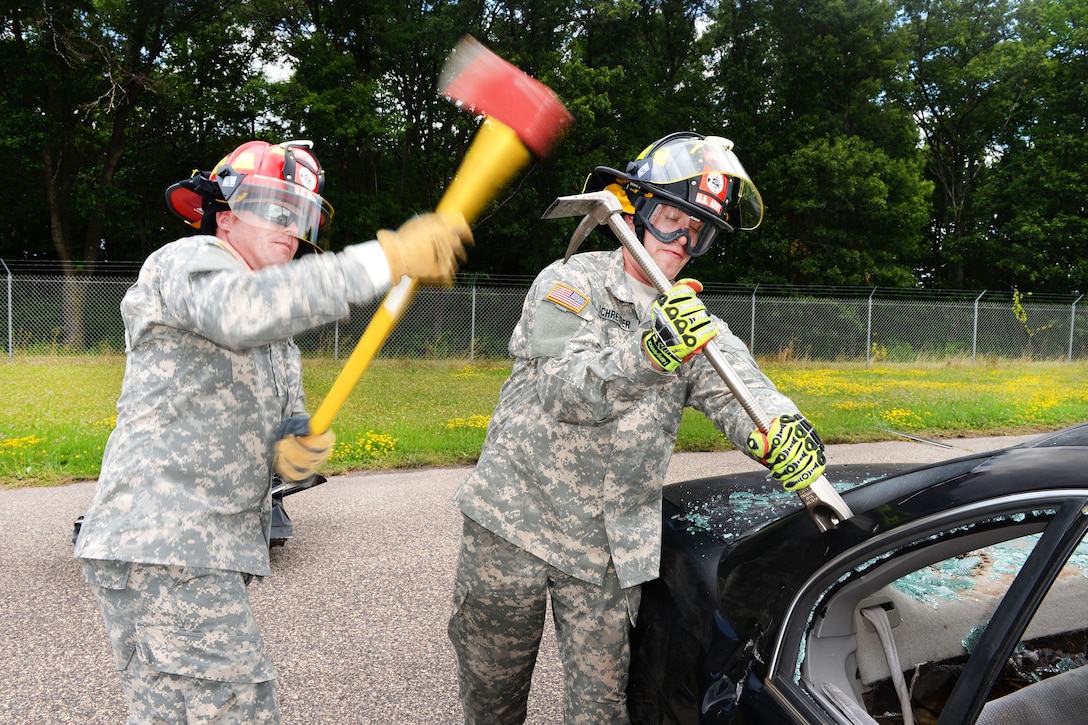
(354, 614)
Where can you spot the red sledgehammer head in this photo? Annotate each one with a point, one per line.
(488, 85)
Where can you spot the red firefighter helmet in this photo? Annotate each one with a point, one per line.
(277, 186)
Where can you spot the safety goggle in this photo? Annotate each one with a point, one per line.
(275, 214)
(278, 206)
(667, 223)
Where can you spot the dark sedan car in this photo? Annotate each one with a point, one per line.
(970, 577)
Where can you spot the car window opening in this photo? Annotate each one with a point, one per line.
(933, 615)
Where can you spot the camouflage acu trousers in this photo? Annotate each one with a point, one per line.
(185, 643)
(500, 604)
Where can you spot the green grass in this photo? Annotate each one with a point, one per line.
(57, 412)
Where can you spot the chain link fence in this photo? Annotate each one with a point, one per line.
(48, 313)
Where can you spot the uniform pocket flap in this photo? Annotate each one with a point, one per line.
(204, 655)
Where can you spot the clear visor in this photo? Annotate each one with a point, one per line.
(670, 224)
(691, 157)
(280, 206)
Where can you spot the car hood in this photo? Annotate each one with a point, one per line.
(734, 506)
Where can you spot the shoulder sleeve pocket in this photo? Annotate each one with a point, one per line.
(553, 327)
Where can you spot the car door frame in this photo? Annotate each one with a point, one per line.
(1061, 532)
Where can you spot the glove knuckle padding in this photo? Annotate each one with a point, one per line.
(791, 449)
(665, 331)
(680, 326)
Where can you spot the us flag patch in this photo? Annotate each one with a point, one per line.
(565, 296)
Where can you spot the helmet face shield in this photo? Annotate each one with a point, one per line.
(749, 205)
(275, 204)
(702, 171)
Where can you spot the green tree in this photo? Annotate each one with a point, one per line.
(851, 216)
(965, 85)
(91, 92)
(935, 142)
(836, 161)
(1034, 192)
(79, 79)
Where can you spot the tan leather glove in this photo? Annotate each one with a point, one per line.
(298, 454)
(427, 247)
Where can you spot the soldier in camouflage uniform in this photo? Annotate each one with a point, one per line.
(566, 498)
(211, 401)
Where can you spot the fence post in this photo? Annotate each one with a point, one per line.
(472, 327)
(336, 340)
(869, 329)
(752, 329)
(974, 334)
(11, 349)
(1072, 324)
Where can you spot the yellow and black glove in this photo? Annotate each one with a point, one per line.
(792, 450)
(427, 247)
(681, 326)
(298, 453)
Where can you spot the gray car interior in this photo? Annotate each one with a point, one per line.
(845, 654)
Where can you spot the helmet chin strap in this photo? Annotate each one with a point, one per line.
(640, 227)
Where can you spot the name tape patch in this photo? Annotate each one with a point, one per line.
(615, 316)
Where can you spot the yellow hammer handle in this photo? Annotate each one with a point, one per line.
(395, 304)
(495, 156)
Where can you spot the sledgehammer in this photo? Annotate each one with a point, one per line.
(602, 207)
(521, 115)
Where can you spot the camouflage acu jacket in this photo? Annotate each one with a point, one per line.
(578, 446)
(211, 372)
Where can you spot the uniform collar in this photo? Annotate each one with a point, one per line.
(227, 246)
(618, 282)
(626, 288)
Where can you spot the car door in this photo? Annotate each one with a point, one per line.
(970, 604)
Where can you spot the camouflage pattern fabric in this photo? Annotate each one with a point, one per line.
(185, 643)
(579, 443)
(211, 372)
(185, 485)
(500, 598)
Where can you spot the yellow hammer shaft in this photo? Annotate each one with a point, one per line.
(393, 307)
(495, 156)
